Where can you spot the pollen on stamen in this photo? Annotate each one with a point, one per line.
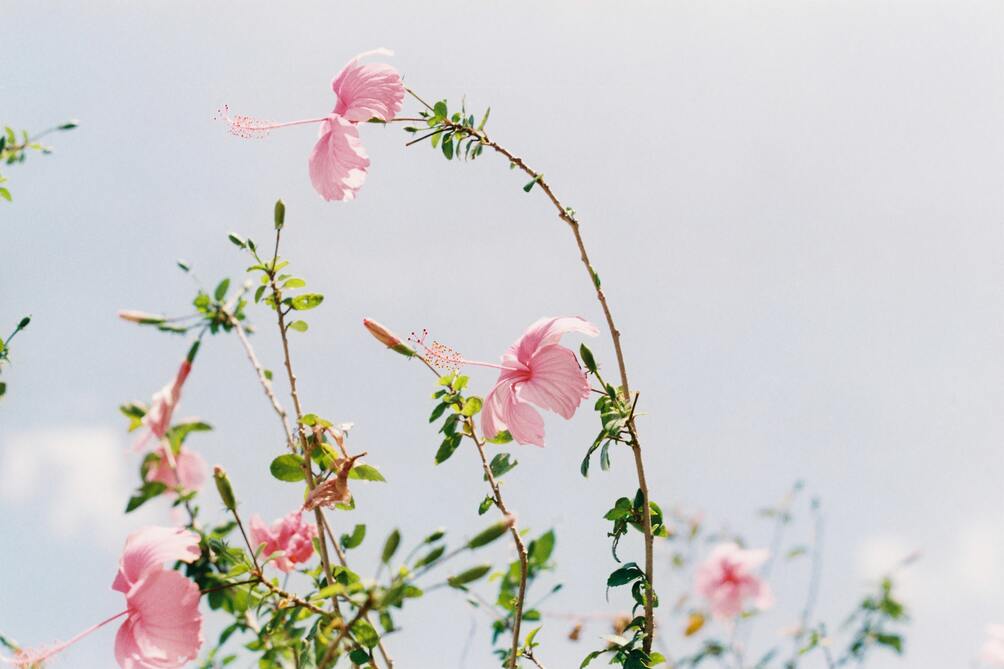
(437, 354)
(243, 126)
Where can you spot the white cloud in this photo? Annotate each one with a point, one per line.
(880, 554)
(978, 557)
(78, 478)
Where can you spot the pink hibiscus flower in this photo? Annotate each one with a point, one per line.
(188, 471)
(993, 648)
(537, 370)
(289, 534)
(163, 626)
(728, 580)
(338, 162)
(157, 420)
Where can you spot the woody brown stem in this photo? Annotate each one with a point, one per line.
(344, 632)
(567, 215)
(381, 646)
(524, 563)
(287, 361)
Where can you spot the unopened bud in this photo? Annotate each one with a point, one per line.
(225, 489)
(280, 214)
(141, 317)
(388, 338)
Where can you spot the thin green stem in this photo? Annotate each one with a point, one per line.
(496, 492)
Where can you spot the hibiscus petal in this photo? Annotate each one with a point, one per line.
(166, 623)
(492, 421)
(371, 90)
(338, 162)
(126, 648)
(750, 559)
(524, 422)
(547, 331)
(153, 546)
(557, 382)
(764, 598)
(191, 468)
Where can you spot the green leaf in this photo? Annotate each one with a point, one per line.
(306, 301)
(238, 241)
(484, 119)
(472, 406)
(448, 147)
(486, 504)
(177, 434)
(430, 557)
(364, 633)
(584, 467)
(526, 188)
(488, 535)
(438, 411)
(390, 546)
(293, 282)
(469, 576)
(221, 289)
(366, 473)
(353, 540)
(299, 326)
(541, 548)
(359, 657)
(147, 492)
(501, 464)
(589, 658)
(626, 574)
(5, 194)
(440, 110)
(447, 448)
(288, 467)
(503, 437)
(587, 358)
(312, 419)
(434, 537)
(605, 456)
(893, 641)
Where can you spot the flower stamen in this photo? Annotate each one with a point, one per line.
(250, 127)
(438, 354)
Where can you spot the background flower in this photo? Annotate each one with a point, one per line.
(728, 580)
(289, 534)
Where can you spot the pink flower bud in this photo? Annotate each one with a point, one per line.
(141, 317)
(387, 338)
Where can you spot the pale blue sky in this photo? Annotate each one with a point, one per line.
(796, 209)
